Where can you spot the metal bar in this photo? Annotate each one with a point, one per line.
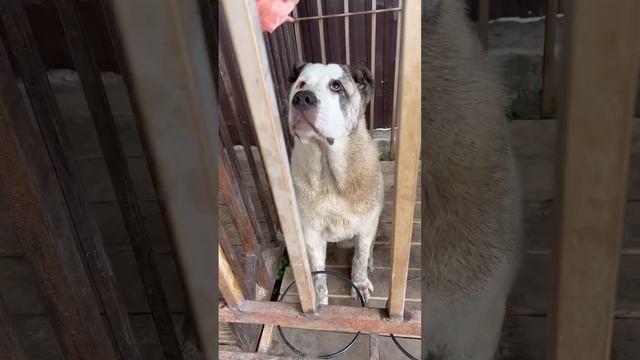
(374, 346)
(296, 27)
(120, 176)
(548, 84)
(347, 48)
(10, 347)
(247, 40)
(170, 45)
(56, 140)
(408, 156)
(329, 317)
(228, 283)
(323, 51)
(483, 23)
(233, 355)
(396, 77)
(42, 225)
(357, 13)
(373, 63)
(594, 145)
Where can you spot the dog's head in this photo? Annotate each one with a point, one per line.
(326, 102)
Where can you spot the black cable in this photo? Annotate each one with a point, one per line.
(395, 341)
(344, 349)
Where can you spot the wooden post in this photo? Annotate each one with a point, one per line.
(229, 285)
(171, 73)
(49, 119)
(10, 348)
(594, 147)
(45, 231)
(483, 23)
(256, 77)
(408, 156)
(549, 60)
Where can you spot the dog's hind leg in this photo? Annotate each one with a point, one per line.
(317, 253)
(360, 264)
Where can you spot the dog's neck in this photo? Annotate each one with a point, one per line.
(332, 161)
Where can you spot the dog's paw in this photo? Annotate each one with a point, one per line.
(366, 289)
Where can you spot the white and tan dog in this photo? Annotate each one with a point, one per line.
(472, 231)
(335, 167)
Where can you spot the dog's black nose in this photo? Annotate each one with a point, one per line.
(303, 99)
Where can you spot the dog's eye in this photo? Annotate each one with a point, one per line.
(335, 85)
(301, 84)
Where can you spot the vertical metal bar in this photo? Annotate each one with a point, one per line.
(396, 72)
(347, 47)
(323, 50)
(373, 63)
(296, 26)
(594, 146)
(170, 45)
(42, 225)
(120, 175)
(229, 285)
(10, 347)
(408, 161)
(483, 23)
(56, 140)
(549, 59)
(256, 78)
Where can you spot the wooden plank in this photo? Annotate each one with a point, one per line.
(31, 190)
(266, 338)
(406, 178)
(549, 59)
(594, 146)
(328, 317)
(483, 23)
(374, 346)
(10, 347)
(247, 41)
(232, 260)
(229, 285)
(119, 173)
(232, 355)
(49, 119)
(241, 216)
(170, 45)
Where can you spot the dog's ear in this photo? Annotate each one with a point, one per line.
(363, 79)
(295, 71)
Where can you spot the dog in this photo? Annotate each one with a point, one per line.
(334, 165)
(472, 208)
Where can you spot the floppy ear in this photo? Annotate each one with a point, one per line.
(364, 80)
(295, 72)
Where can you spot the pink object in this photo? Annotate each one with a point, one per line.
(274, 13)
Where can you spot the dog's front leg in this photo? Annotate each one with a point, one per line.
(361, 254)
(317, 253)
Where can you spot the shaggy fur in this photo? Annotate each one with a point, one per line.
(338, 183)
(471, 199)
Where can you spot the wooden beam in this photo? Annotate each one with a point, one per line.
(329, 318)
(119, 174)
(256, 78)
(549, 60)
(595, 132)
(171, 74)
(266, 338)
(49, 119)
(483, 23)
(408, 156)
(229, 285)
(233, 355)
(43, 227)
(10, 347)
